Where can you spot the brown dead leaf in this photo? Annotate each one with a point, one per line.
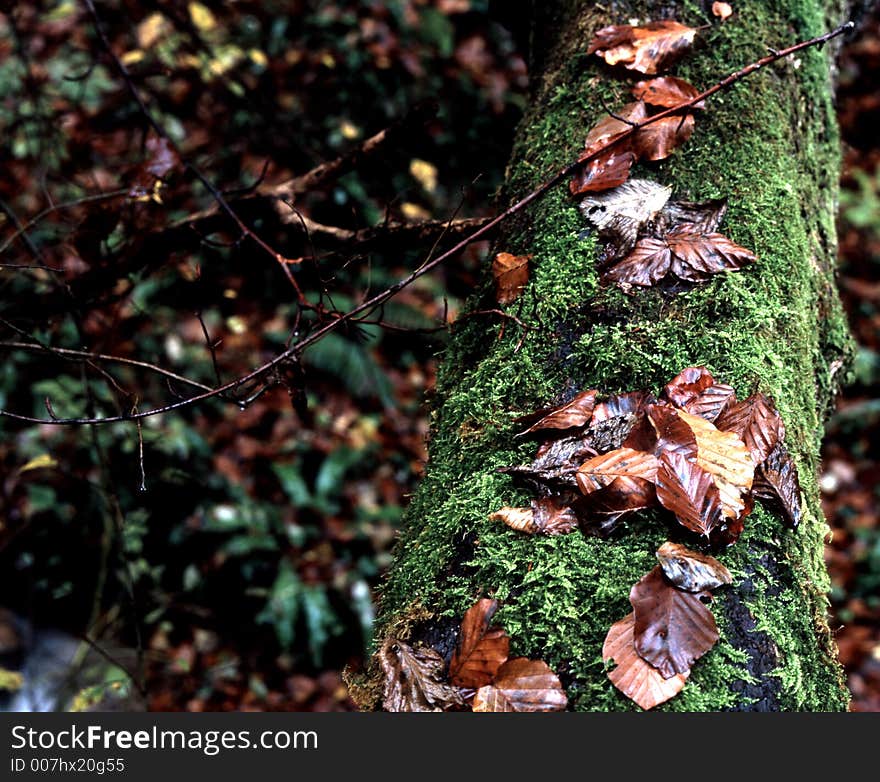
(608, 170)
(415, 679)
(691, 571)
(673, 628)
(687, 253)
(602, 470)
(646, 265)
(704, 217)
(776, 481)
(757, 422)
(726, 457)
(673, 433)
(689, 492)
(481, 649)
(552, 518)
(610, 128)
(686, 385)
(511, 274)
(695, 391)
(520, 519)
(666, 91)
(696, 256)
(647, 49)
(640, 681)
(571, 415)
(522, 685)
(660, 139)
(721, 10)
(601, 510)
(708, 404)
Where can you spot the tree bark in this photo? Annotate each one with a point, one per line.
(770, 146)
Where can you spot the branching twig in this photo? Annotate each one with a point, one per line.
(370, 304)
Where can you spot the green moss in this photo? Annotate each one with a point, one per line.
(769, 145)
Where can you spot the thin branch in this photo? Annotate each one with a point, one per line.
(22, 228)
(379, 298)
(84, 354)
(283, 262)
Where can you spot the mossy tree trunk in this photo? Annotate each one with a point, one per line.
(770, 146)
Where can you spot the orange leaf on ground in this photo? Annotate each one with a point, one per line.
(573, 414)
(695, 391)
(646, 265)
(646, 49)
(634, 677)
(608, 170)
(553, 519)
(522, 685)
(611, 127)
(689, 492)
(481, 649)
(602, 470)
(721, 10)
(726, 457)
(687, 384)
(511, 274)
(691, 571)
(672, 627)
(660, 139)
(666, 91)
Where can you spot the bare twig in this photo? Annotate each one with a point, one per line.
(224, 205)
(376, 300)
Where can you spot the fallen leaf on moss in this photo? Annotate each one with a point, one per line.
(689, 254)
(620, 214)
(647, 49)
(757, 422)
(607, 170)
(522, 685)
(776, 481)
(481, 648)
(721, 10)
(660, 139)
(520, 519)
(571, 415)
(511, 275)
(552, 518)
(726, 457)
(690, 570)
(602, 470)
(689, 492)
(634, 677)
(415, 679)
(666, 91)
(673, 628)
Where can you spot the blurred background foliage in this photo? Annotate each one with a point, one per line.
(227, 558)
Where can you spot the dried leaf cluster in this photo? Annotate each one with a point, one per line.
(695, 451)
(480, 673)
(669, 628)
(649, 239)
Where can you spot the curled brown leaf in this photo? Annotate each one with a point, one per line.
(673, 628)
(640, 681)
